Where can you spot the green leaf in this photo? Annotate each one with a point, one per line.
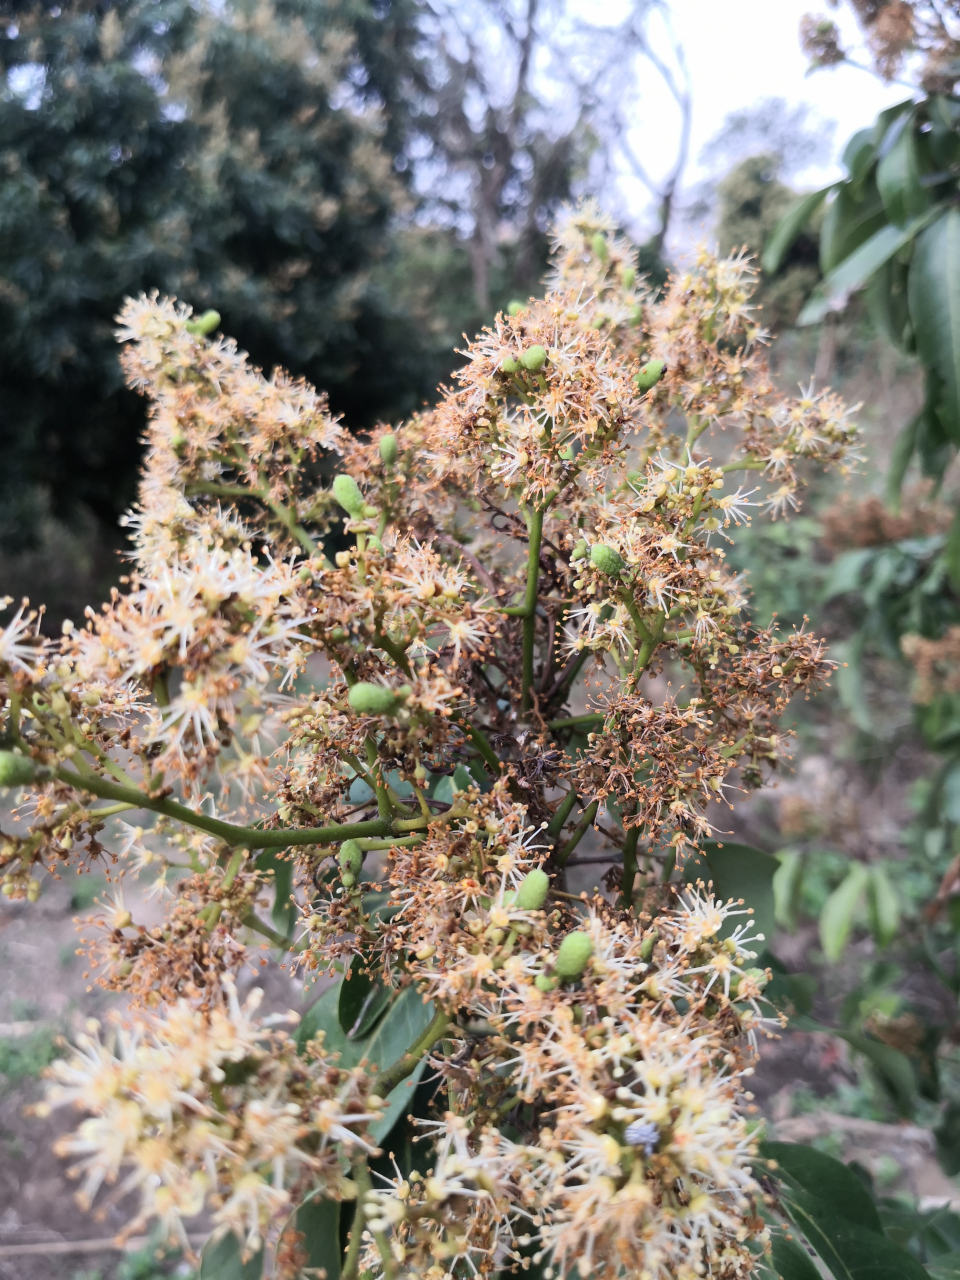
(789, 227)
(791, 992)
(947, 1134)
(738, 871)
(222, 1260)
(944, 1267)
(951, 552)
(284, 910)
(787, 880)
(883, 906)
(859, 153)
(903, 451)
(893, 1067)
(399, 1101)
(826, 1178)
(319, 1220)
(363, 1000)
(851, 1252)
(934, 293)
(852, 217)
(790, 1260)
(856, 269)
(839, 910)
(324, 1016)
(462, 779)
(405, 1019)
(898, 178)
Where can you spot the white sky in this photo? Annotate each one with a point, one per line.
(739, 52)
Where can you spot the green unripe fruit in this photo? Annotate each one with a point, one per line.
(350, 858)
(374, 542)
(759, 977)
(628, 278)
(599, 246)
(16, 770)
(566, 455)
(515, 307)
(580, 550)
(650, 374)
(389, 449)
(575, 950)
(606, 559)
(509, 365)
(203, 324)
(367, 511)
(534, 358)
(373, 699)
(347, 493)
(533, 890)
(543, 982)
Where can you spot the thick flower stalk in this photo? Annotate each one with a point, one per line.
(387, 708)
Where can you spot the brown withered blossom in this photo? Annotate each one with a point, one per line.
(381, 760)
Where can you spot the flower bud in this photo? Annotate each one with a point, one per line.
(650, 374)
(606, 559)
(628, 278)
(580, 550)
(647, 945)
(534, 358)
(599, 246)
(350, 859)
(575, 950)
(514, 307)
(510, 365)
(347, 493)
(203, 324)
(533, 890)
(543, 982)
(374, 699)
(16, 770)
(389, 449)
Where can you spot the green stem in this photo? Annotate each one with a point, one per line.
(535, 530)
(394, 651)
(351, 1263)
(748, 464)
(576, 722)
(563, 813)
(259, 926)
(405, 1066)
(578, 833)
(629, 868)
(646, 649)
(249, 837)
(480, 742)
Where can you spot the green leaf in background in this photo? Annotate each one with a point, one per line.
(791, 992)
(363, 1000)
(787, 882)
(851, 1252)
(789, 227)
(951, 552)
(223, 1260)
(947, 1134)
(898, 178)
(398, 1103)
(738, 871)
(284, 910)
(826, 1178)
(893, 1068)
(790, 1260)
(324, 1016)
(851, 219)
(319, 1220)
(934, 292)
(839, 912)
(883, 906)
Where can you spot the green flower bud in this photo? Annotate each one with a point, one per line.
(628, 278)
(543, 982)
(509, 365)
(533, 890)
(389, 449)
(599, 246)
(347, 493)
(515, 307)
(350, 859)
(16, 770)
(580, 550)
(650, 374)
(367, 511)
(534, 358)
(606, 559)
(647, 945)
(374, 542)
(374, 699)
(203, 324)
(636, 316)
(566, 455)
(575, 950)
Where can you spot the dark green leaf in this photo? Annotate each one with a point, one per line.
(363, 1000)
(951, 552)
(738, 871)
(323, 1016)
(462, 779)
(789, 227)
(898, 178)
(934, 292)
(319, 1220)
(893, 1067)
(790, 1260)
(826, 1178)
(405, 1020)
(947, 1134)
(284, 911)
(222, 1260)
(398, 1104)
(791, 992)
(859, 153)
(903, 451)
(883, 906)
(851, 1251)
(944, 1267)
(850, 220)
